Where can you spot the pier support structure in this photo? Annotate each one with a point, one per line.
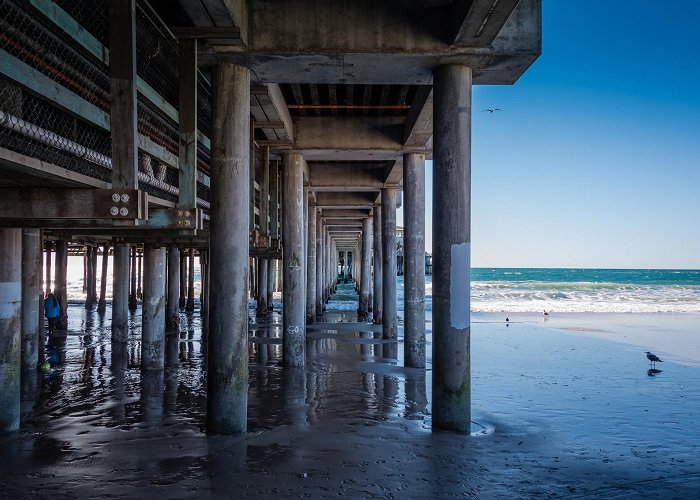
(451, 247)
(31, 297)
(153, 309)
(120, 293)
(172, 315)
(377, 275)
(389, 309)
(365, 273)
(294, 281)
(189, 307)
(414, 259)
(311, 266)
(261, 297)
(319, 266)
(102, 302)
(10, 328)
(227, 371)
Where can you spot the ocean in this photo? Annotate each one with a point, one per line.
(525, 290)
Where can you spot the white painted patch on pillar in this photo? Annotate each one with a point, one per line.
(459, 286)
(10, 299)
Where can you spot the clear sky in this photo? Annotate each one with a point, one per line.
(595, 159)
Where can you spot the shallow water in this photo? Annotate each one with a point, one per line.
(555, 414)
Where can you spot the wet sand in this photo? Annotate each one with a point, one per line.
(557, 413)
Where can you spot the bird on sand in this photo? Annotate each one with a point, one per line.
(491, 110)
(545, 313)
(653, 358)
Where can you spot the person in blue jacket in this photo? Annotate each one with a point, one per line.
(52, 310)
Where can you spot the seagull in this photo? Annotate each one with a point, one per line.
(491, 110)
(653, 358)
(545, 313)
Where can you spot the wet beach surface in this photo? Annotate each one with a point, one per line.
(555, 415)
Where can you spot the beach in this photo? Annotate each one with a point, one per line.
(562, 407)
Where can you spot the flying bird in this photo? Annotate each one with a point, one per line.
(491, 110)
(653, 358)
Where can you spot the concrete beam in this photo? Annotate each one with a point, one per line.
(418, 128)
(475, 23)
(341, 177)
(345, 200)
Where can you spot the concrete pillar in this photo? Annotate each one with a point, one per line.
(132, 281)
(262, 287)
(451, 247)
(120, 293)
(139, 274)
(31, 298)
(319, 265)
(102, 303)
(190, 281)
(10, 328)
(204, 307)
(265, 192)
(311, 267)
(172, 315)
(271, 269)
(365, 268)
(414, 259)
(60, 283)
(227, 370)
(90, 274)
(389, 309)
(153, 309)
(183, 279)
(294, 305)
(377, 277)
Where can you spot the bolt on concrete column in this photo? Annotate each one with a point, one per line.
(262, 287)
(389, 308)
(153, 309)
(60, 283)
(414, 259)
(451, 247)
(190, 282)
(271, 268)
(227, 374)
(172, 315)
(294, 280)
(31, 297)
(377, 278)
(365, 268)
(102, 303)
(10, 328)
(120, 293)
(311, 267)
(319, 266)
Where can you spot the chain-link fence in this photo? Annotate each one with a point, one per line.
(55, 103)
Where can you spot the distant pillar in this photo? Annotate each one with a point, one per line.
(319, 265)
(389, 308)
(190, 282)
(227, 370)
(271, 268)
(60, 284)
(262, 287)
(365, 272)
(311, 267)
(414, 259)
(132, 281)
(153, 309)
(451, 247)
(102, 303)
(183, 279)
(139, 274)
(10, 328)
(31, 296)
(377, 278)
(90, 274)
(172, 315)
(120, 293)
(293, 302)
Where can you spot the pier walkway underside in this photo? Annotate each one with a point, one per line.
(273, 140)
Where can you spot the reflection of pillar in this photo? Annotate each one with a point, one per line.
(414, 259)
(365, 268)
(10, 331)
(153, 310)
(172, 316)
(31, 293)
(189, 307)
(60, 285)
(451, 241)
(293, 302)
(102, 304)
(389, 308)
(120, 293)
(377, 278)
(152, 393)
(227, 343)
(311, 267)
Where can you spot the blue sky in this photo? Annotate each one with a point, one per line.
(595, 159)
